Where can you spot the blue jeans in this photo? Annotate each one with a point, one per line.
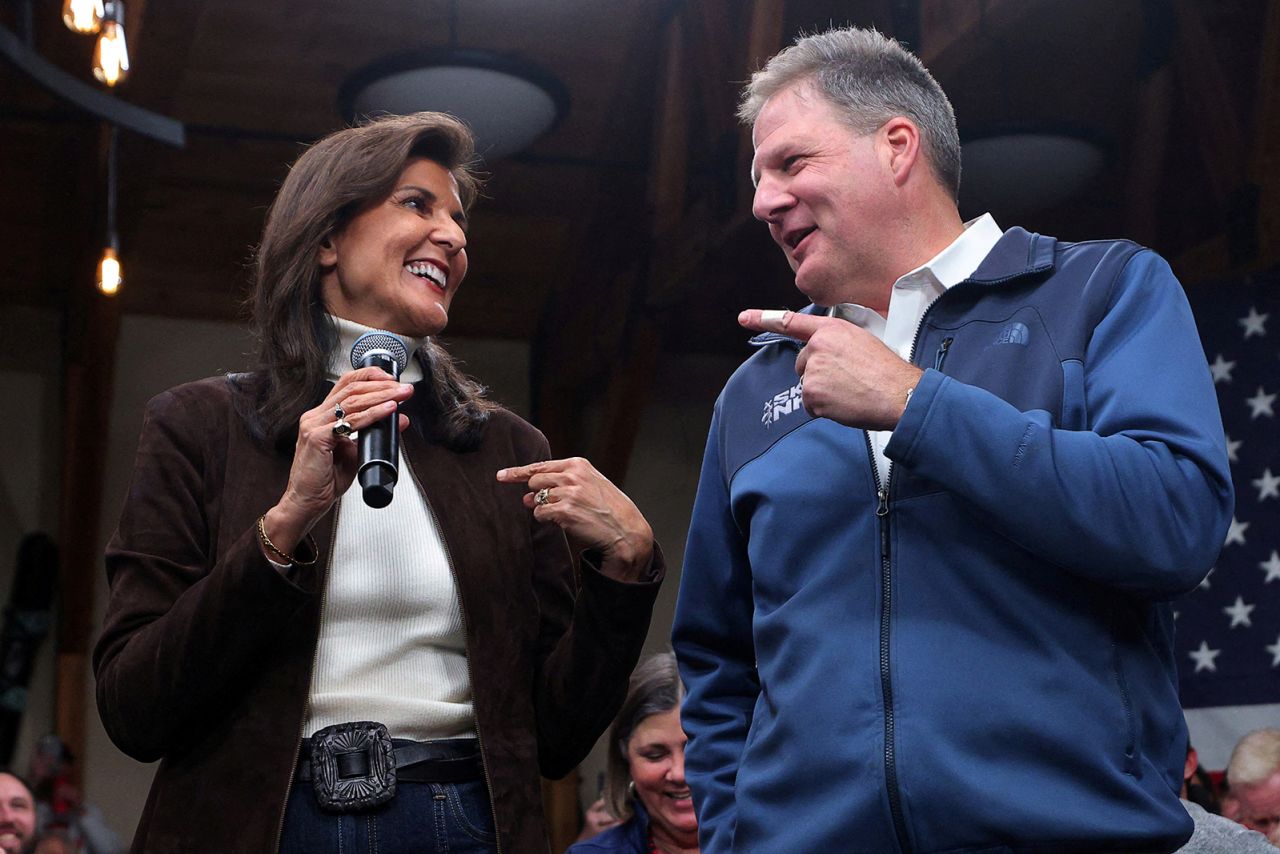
(423, 818)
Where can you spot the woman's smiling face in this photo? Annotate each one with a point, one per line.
(655, 754)
(397, 264)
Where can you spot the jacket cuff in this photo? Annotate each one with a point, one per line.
(264, 579)
(611, 593)
(593, 559)
(915, 418)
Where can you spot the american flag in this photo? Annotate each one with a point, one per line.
(1228, 629)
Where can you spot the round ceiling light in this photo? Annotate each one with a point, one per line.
(1016, 170)
(508, 103)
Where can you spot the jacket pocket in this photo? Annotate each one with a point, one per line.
(1122, 688)
(1075, 410)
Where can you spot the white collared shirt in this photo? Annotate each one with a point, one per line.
(911, 297)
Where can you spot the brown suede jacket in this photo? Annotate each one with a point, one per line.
(206, 653)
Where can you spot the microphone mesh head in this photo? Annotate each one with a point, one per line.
(379, 341)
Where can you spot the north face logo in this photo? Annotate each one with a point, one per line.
(1014, 333)
(783, 403)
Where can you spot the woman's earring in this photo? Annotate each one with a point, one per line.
(631, 790)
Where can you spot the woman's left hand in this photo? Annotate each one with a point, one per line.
(582, 501)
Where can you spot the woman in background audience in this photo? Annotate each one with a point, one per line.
(645, 783)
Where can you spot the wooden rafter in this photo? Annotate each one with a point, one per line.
(1208, 100)
(93, 323)
(1264, 165)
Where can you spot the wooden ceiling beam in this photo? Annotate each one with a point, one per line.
(583, 323)
(955, 33)
(1148, 146)
(675, 221)
(1237, 172)
(1264, 165)
(1208, 99)
(93, 325)
(764, 39)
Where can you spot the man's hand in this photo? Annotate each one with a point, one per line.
(849, 375)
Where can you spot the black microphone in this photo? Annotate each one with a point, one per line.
(380, 442)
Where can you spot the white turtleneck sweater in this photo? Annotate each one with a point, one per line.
(392, 647)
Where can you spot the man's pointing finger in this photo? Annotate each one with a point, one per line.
(789, 323)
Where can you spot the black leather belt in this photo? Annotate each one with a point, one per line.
(453, 760)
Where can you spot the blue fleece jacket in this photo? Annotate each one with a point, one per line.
(630, 837)
(977, 655)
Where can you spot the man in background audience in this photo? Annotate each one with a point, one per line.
(1254, 776)
(1214, 833)
(17, 815)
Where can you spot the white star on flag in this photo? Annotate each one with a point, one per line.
(1274, 649)
(1203, 657)
(1268, 485)
(1233, 450)
(1261, 404)
(1204, 582)
(1221, 370)
(1254, 323)
(1236, 533)
(1239, 613)
(1271, 567)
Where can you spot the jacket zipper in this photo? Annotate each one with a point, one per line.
(886, 607)
(886, 683)
(941, 355)
(466, 632)
(315, 659)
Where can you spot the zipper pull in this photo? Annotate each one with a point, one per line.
(941, 355)
(882, 505)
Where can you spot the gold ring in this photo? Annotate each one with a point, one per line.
(543, 496)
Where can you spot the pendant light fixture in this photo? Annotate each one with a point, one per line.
(110, 276)
(111, 55)
(82, 16)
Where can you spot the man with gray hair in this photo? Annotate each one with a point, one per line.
(1253, 775)
(927, 609)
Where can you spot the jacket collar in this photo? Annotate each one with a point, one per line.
(640, 834)
(1018, 253)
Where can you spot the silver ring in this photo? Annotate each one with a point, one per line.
(543, 496)
(342, 428)
(338, 412)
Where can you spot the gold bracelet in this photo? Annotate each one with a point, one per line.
(286, 558)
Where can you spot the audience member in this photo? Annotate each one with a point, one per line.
(645, 783)
(57, 840)
(1197, 785)
(1213, 833)
(1254, 776)
(59, 804)
(17, 814)
(597, 820)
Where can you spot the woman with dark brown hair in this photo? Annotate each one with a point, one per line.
(645, 785)
(320, 674)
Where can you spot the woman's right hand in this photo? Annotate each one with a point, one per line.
(324, 463)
